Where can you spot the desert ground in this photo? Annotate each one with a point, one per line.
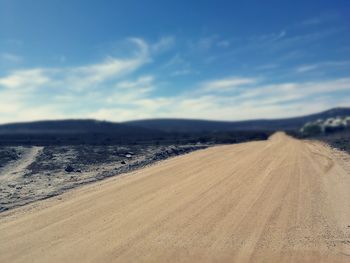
(280, 200)
(32, 173)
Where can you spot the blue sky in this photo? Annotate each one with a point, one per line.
(123, 60)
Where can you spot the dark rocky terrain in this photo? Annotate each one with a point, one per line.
(339, 140)
(33, 173)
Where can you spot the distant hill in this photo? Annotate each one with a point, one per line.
(72, 126)
(188, 125)
(159, 131)
(73, 132)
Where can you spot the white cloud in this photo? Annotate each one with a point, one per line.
(268, 38)
(176, 60)
(179, 66)
(25, 79)
(321, 19)
(127, 91)
(257, 101)
(208, 43)
(326, 64)
(18, 106)
(164, 43)
(62, 59)
(284, 92)
(277, 41)
(306, 68)
(203, 44)
(87, 76)
(303, 39)
(267, 66)
(12, 42)
(312, 21)
(140, 82)
(226, 84)
(114, 90)
(66, 92)
(81, 77)
(224, 43)
(182, 72)
(11, 58)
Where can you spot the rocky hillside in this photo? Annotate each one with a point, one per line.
(326, 126)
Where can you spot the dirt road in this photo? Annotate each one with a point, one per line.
(280, 200)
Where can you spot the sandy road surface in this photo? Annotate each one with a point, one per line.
(280, 200)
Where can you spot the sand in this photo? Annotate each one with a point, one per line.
(281, 200)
